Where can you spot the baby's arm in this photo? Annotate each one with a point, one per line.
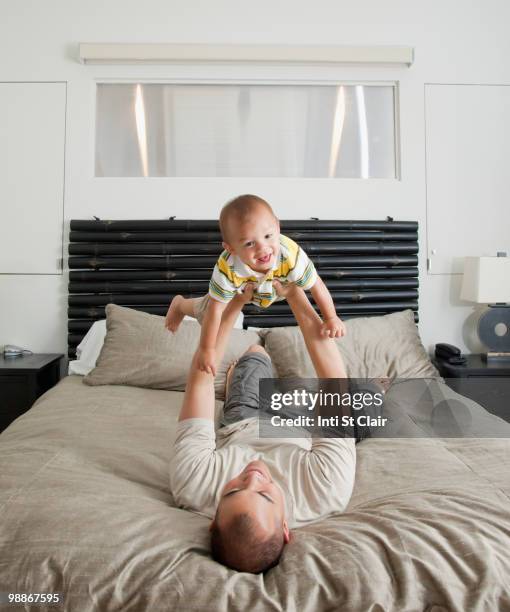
(305, 276)
(332, 325)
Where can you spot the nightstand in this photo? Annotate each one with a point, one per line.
(487, 384)
(23, 380)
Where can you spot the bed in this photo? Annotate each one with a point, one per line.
(86, 509)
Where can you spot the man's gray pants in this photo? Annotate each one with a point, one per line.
(243, 393)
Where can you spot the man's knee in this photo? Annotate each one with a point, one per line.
(256, 348)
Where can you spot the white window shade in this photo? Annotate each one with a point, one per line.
(322, 131)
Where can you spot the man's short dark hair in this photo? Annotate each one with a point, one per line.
(239, 208)
(238, 547)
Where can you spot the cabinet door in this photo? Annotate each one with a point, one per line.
(15, 397)
(32, 139)
(493, 393)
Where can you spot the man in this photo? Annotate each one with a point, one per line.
(255, 489)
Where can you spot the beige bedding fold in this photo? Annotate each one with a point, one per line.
(85, 509)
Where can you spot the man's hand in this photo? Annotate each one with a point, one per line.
(206, 360)
(247, 294)
(333, 327)
(283, 290)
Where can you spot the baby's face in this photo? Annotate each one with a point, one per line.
(256, 240)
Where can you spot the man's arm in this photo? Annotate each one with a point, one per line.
(199, 395)
(206, 356)
(330, 465)
(323, 351)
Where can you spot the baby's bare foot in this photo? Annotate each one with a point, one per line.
(174, 316)
(230, 373)
(383, 382)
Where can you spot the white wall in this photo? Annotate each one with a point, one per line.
(456, 41)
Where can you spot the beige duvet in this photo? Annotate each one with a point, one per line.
(85, 510)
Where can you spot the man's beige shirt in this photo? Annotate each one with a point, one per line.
(316, 475)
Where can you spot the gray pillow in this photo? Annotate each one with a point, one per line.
(140, 352)
(373, 347)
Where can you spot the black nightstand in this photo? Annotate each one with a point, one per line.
(23, 380)
(487, 384)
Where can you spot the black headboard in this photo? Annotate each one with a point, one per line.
(370, 267)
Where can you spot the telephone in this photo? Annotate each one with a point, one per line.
(10, 350)
(449, 353)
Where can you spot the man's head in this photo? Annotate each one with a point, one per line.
(249, 530)
(251, 231)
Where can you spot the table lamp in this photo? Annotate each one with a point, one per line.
(487, 281)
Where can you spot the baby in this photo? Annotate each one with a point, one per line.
(256, 258)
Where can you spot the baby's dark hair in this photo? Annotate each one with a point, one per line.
(239, 208)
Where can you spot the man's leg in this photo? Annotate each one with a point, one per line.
(242, 394)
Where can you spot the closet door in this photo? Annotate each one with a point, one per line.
(32, 146)
(468, 183)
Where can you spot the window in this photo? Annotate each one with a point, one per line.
(284, 130)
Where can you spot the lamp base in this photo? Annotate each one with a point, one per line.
(494, 331)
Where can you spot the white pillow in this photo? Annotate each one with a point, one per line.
(87, 352)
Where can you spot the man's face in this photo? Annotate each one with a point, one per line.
(253, 492)
(255, 239)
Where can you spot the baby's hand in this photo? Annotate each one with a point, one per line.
(333, 328)
(206, 360)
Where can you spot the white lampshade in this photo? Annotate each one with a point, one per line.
(486, 280)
